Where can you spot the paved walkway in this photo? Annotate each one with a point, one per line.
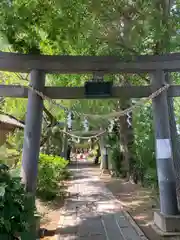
(94, 213)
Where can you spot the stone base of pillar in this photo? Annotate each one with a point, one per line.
(166, 225)
(105, 171)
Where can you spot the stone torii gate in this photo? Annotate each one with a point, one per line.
(38, 65)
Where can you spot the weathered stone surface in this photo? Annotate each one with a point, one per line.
(167, 224)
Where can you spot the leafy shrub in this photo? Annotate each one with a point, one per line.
(150, 178)
(115, 154)
(16, 139)
(52, 172)
(15, 211)
(145, 145)
(92, 153)
(116, 160)
(11, 150)
(53, 142)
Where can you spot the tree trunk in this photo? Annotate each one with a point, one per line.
(126, 129)
(65, 144)
(126, 141)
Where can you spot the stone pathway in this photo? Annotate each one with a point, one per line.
(94, 213)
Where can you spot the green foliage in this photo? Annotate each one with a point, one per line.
(11, 151)
(114, 154)
(16, 139)
(144, 143)
(13, 106)
(16, 212)
(95, 154)
(53, 141)
(8, 156)
(52, 171)
(150, 178)
(92, 154)
(116, 160)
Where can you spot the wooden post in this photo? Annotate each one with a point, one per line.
(32, 132)
(166, 176)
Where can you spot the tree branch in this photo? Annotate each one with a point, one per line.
(52, 119)
(11, 116)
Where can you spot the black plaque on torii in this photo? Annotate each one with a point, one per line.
(97, 88)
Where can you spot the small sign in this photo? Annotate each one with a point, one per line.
(98, 89)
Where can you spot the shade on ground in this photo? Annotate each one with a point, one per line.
(92, 212)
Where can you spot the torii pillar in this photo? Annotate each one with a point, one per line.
(32, 132)
(167, 219)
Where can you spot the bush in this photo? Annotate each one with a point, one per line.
(145, 145)
(16, 214)
(150, 178)
(53, 143)
(115, 154)
(52, 171)
(116, 160)
(92, 153)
